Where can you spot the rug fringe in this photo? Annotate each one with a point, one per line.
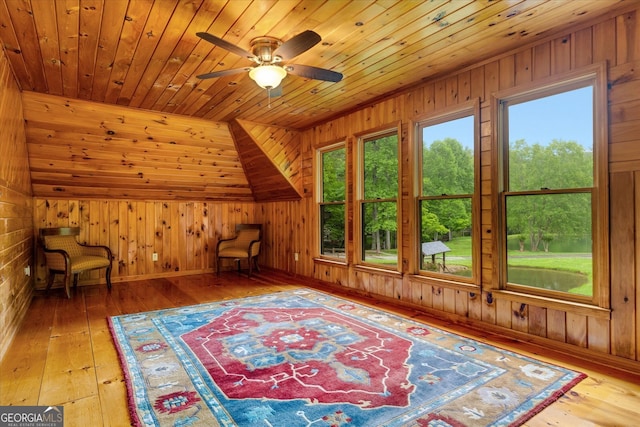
(135, 420)
(549, 400)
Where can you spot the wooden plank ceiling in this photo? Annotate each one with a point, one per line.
(145, 54)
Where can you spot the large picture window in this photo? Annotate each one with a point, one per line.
(446, 197)
(332, 202)
(378, 199)
(551, 204)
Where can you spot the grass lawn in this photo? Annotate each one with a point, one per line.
(460, 254)
(565, 261)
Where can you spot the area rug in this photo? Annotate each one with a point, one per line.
(305, 358)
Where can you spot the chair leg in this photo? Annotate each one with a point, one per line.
(108, 277)
(238, 262)
(67, 284)
(249, 261)
(218, 265)
(50, 280)
(255, 260)
(75, 280)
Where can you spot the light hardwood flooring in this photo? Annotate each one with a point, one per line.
(64, 354)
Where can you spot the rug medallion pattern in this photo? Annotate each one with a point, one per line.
(309, 359)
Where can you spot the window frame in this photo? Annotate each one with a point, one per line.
(320, 202)
(462, 110)
(596, 77)
(360, 201)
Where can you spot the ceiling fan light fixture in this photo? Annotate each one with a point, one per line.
(268, 76)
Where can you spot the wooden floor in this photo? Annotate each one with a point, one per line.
(64, 355)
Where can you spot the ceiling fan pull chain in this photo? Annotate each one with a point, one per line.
(269, 96)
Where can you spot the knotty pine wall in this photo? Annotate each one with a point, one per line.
(611, 337)
(16, 221)
(184, 234)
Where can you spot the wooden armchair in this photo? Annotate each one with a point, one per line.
(64, 255)
(246, 245)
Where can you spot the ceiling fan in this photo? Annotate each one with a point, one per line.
(269, 54)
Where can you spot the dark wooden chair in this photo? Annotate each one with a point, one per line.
(245, 245)
(64, 255)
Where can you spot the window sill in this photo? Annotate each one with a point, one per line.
(437, 281)
(553, 303)
(330, 261)
(377, 270)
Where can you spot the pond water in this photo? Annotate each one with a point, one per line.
(540, 278)
(548, 279)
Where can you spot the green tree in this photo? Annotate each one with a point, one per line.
(447, 168)
(381, 183)
(447, 171)
(545, 217)
(431, 225)
(333, 190)
(333, 175)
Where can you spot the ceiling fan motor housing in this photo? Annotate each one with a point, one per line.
(263, 47)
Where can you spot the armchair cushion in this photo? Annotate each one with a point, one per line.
(233, 252)
(88, 262)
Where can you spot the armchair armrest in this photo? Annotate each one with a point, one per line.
(254, 248)
(225, 243)
(97, 250)
(57, 259)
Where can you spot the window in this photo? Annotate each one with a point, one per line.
(446, 201)
(552, 198)
(332, 202)
(378, 199)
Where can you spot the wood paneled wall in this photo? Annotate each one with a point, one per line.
(16, 224)
(270, 159)
(612, 337)
(81, 149)
(184, 235)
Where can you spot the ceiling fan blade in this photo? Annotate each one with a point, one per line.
(297, 44)
(223, 73)
(226, 45)
(314, 73)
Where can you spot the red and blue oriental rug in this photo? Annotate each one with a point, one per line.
(304, 358)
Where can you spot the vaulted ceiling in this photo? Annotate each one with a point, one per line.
(113, 104)
(145, 53)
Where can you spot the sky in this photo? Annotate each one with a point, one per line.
(559, 116)
(567, 116)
